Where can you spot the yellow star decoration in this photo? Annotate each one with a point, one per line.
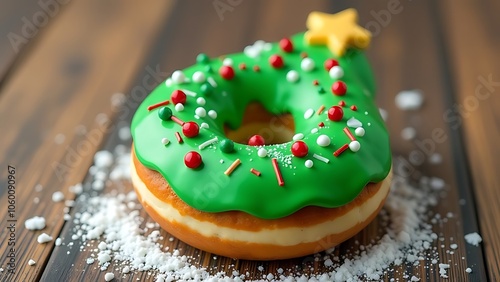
(338, 31)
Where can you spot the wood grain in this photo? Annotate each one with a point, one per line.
(93, 49)
(476, 109)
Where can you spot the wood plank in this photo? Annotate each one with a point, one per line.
(91, 50)
(20, 25)
(473, 45)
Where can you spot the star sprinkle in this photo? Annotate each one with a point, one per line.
(338, 31)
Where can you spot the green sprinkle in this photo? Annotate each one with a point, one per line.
(226, 145)
(165, 113)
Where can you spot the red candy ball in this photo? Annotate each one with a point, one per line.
(190, 129)
(256, 140)
(192, 159)
(299, 149)
(339, 88)
(276, 61)
(335, 113)
(330, 63)
(286, 45)
(227, 72)
(178, 96)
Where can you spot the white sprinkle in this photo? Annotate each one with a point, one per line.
(292, 76)
(354, 123)
(58, 242)
(189, 92)
(212, 114)
(309, 113)
(336, 72)
(201, 101)
(354, 146)
(473, 238)
(103, 258)
(201, 112)
(198, 77)
(178, 77)
(109, 276)
(44, 238)
(442, 270)
(212, 82)
(307, 64)
(454, 246)
(35, 223)
(468, 270)
(359, 132)
(314, 130)
(308, 163)
(298, 136)
(66, 217)
(414, 279)
(207, 143)
(57, 196)
(102, 246)
(262, 153)
(179, 107)
(409, 100)
(321, 158)
(31, 262)
(323, 140)
(408, 133)
(168, 82)
(227, 62)
(126, 270)
(383, 114)
(204, 125)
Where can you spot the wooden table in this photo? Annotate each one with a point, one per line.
(61, 63)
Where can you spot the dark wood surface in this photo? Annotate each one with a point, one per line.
(65, 75)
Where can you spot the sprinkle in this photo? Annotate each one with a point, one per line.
(323, 140)
(154, 106)
(177, 120)
(341, 150)
(315, 82)
(189, 92)
(336, 72)
(292, 76)
(307, 64)
(179, 107)
(342, 103)
(262, 153)
(212, 114)
(227, 62)
(165, 141)
(354, 123)
(212, 82)
(204, 125)
(31, 262)
(354, 146)
(303, 55)
(44, 238)
(198, 77)
(321, 124)
(314, 130)
(201, 112)
(178, 77)
(354, 108)
(242, 66)
(179, 138)
(254, 171)
(308, 163)
(320, 109)
(308, 114)
(359, 131)
(349, 134)
(298, 136)
(201, 101)
(321, 158)
(278, 172)
(232, 167)
(207, 143)
(256, 68)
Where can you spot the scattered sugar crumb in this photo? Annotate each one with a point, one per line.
(57, 196)
(443, 270)
(31, 262)
(468, 270)
(35, 223)
(454, 246)
(44, 238)
(109, 276)
(473, 238)
(58, 242)
(409, 100)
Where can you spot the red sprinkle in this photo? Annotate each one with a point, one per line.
(178, 96)
(177, 120)
(226, 72)
(341, 150)
(179, 138)
(254, 171)
(192, 159)
(278, 172)
(286, 45)
(339, 88)
(256, 140)
(335, 113)
(354, 108)
(243, 66)
(256, 68)
(330, 63)
(154, 106)
(315, 82)
(276, 61)
(321, 124)
(190, 129)
(341, 103)
(299, 149)
(349, 134)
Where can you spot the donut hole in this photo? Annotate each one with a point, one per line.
(275, 129)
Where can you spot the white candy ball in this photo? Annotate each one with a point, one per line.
(262, 152)
(201, 112)
(198, 77)
(179, 107)
(201, 101)
(204, 125)
(307, 64)
(309, 163)
(336, 72)
(178, 77)
(165, 141)
(227, 62)
(359, 131)
(323, 140)
(354, 146)
(298, 136)
(212, 114)
(292, 76)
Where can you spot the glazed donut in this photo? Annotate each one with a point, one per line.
(273, 153)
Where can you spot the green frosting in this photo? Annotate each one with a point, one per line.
(208, 189)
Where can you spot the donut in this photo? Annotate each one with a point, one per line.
(273, 153)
